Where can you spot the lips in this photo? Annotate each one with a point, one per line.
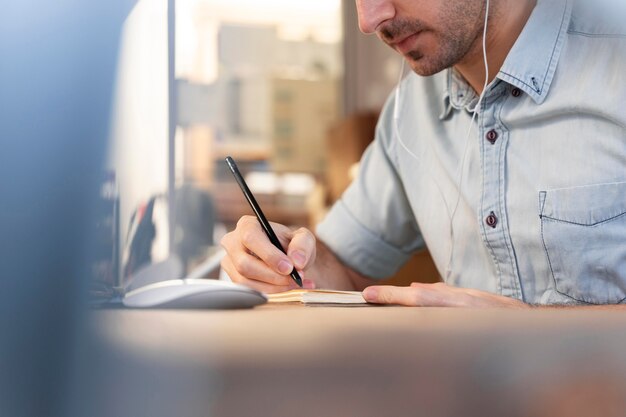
(406, 44)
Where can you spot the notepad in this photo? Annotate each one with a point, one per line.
(318, 297)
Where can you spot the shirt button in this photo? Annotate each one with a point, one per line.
(516, 92)
(492, 136)
(491, 220)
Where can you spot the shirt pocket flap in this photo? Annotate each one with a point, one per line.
(587, 206)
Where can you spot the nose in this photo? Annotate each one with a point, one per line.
(373, 12)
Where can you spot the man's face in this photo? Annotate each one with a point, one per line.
(432, 35)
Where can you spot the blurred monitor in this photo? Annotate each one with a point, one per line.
(57, 68)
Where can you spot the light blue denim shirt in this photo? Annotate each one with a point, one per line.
(541, 213)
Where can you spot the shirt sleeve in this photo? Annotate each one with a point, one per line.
(372, 228)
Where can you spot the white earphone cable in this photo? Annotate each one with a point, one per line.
(396, 116)
(469, 131)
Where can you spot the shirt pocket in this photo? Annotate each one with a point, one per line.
(584, 236)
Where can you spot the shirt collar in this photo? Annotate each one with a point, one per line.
(531, 63)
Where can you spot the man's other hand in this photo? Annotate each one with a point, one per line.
(437, 295)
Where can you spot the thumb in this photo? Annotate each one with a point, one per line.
(302, 249)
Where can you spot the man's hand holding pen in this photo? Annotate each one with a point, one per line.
(253, 261)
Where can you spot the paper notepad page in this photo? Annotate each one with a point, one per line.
(317, 297)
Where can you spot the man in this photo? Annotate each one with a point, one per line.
(526, 208)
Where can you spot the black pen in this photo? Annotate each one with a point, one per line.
(259, 214)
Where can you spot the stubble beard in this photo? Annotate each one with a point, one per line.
(451, 52)
(458, 37)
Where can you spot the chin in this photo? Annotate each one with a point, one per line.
(424, 68)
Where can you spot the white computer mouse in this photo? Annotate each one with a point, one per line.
(193, 293)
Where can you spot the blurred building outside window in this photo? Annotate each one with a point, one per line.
(259, 81)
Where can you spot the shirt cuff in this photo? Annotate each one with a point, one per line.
(358, 247)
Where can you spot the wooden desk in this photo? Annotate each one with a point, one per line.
(365, 361)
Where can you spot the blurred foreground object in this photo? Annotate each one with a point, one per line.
(57, 65)
(373, 361)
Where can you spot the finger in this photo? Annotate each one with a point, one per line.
(283, 233)
(443, 295)
(253, 268)
(424, 295)
(439, 295)
(302, 248)
(249, 265)
(254, 239)
(264, 287)
(386, 294)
